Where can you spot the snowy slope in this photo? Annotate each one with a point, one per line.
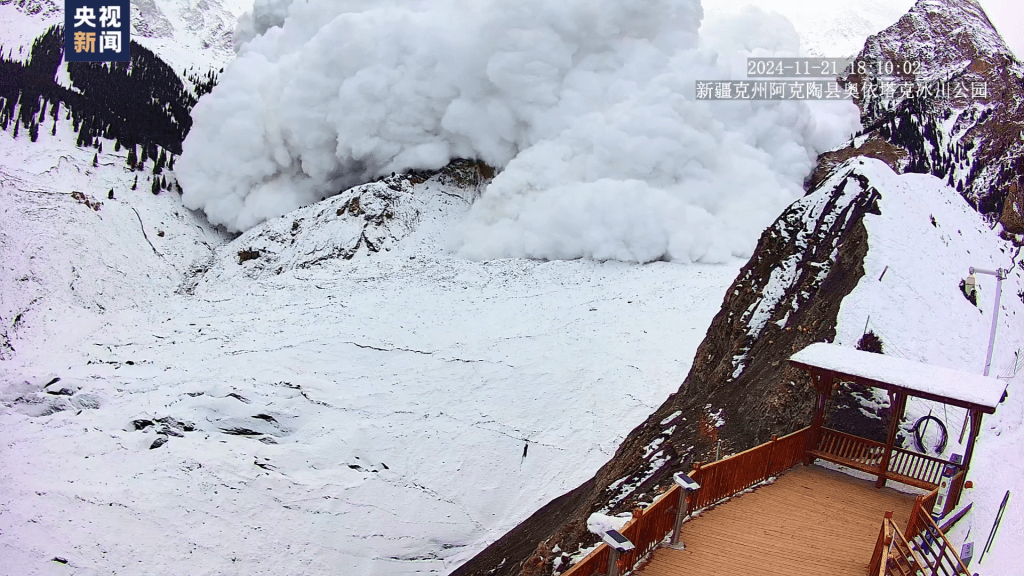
(64, 264)
(920, 314)
(365, 416)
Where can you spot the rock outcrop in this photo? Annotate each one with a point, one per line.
(971, 133)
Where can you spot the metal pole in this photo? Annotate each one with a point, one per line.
(680, 513)
(1000, 274)
(613, 562)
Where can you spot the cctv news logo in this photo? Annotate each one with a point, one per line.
(97, 30)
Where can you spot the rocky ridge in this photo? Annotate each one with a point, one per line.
(740, 389)
(973, 135)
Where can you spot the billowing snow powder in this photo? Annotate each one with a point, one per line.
(589, 109)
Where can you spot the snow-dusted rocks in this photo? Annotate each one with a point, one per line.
(363, 220)
(972, 137)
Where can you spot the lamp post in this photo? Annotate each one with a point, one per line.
(1000, 275)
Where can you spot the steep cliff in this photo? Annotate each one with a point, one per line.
(740, 389)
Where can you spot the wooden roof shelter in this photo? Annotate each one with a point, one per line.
(829, 364)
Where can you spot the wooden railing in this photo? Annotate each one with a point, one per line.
(912, 468)
(916, 469)
(932, 545)
(922, 549)
(593, 564)
(646, 531)
(849, 450)
(894, 555)
(923, 504)
(719, 480)
(734, 474)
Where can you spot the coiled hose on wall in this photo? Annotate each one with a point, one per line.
(918, 434)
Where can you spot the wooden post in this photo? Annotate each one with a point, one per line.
(771, 454)
(969, 452)
(824, 386)
(898, 402)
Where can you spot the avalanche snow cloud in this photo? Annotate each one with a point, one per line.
(587, 106)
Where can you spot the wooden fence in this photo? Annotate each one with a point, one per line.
(916, 469)
(849, 450)
(646, 531)
(894, 555)
(719, 480)
(912, 468)
(734, 474)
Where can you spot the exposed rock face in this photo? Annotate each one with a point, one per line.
(741, 389)
(358, 222)
(973, 136)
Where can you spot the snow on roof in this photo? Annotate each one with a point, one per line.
(918, 379)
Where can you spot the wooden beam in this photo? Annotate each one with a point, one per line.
(823, 384)
(898, 403)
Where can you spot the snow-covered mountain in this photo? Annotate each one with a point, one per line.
(875, 246)
(334, 392)
(386, 414)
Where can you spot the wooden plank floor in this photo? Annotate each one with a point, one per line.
(811, 521)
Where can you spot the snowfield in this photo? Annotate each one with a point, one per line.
(388, 414)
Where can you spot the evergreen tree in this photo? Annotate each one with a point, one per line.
(171, 163)
(135, 184)
(132, 160)
(155, 188)
(95, 159)
(99, 147)
(16, 124)
(33, 132)
(117, 145)
(53, 131)
(110, 195)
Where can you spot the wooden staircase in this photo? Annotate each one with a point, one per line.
(922, 551)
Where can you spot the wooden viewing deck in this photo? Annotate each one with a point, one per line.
(811, 521)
